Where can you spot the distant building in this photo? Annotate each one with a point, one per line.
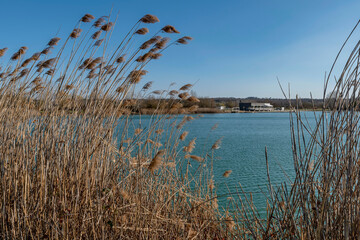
(255, 106)
(244, 106)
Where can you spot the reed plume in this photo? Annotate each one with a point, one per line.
(19, 53)
(155, 56)
(193, 99)
(106, 27)
(161, 44)
(124, 195)
(144, 57)
(184, 40)
(26, 62)
(120, 59)
(142, 31)
(87, 18)
(227, 173)
(99, 22)
(148, 18)
(135, 76)
(216, 145)
(35, 56)
(138, 131)
(197, 158)
(183, 135)
(156, 161)
(169, 29)
(46, 50)
(183, 95)
(157, 92)
(76, 33)
(48, 63)
(150, 42)
(177, 105)
(186, 87)
(37, 80)
(98, 42)
(2, 51)
(159, 131)
(54, 41)
(189, 148)
(173, 93)
(96, 34)
(147, 85)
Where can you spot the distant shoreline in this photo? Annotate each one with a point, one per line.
(147, 111)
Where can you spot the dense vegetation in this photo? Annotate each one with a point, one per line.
(74, 165)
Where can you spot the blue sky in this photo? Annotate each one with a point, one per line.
(239, 48)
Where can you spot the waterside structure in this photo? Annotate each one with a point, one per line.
(247, 106)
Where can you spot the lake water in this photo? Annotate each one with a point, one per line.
(244, 137)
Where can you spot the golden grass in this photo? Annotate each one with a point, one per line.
(73, 166)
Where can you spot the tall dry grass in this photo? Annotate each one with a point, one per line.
(74, 165)
(323, 199)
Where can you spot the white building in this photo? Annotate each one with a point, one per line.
(256, 107)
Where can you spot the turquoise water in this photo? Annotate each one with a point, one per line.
(244, 137)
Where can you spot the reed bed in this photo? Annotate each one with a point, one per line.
(75, 165)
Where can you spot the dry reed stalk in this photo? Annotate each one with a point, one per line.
(216, 145)
(183, 135)
(87, 18)
(70, 164)
(76, 33)
(148, 18)
(142, 31)
(184, 40)
(183, 95)
(169, 29)
(2, 51)
(193, 99)
(138, 131)
(156, 161)
(189, 148)
(186, 87)
(197, 158)
(159, 131)
(227, 173)
(54, 41)
(173, 93)
(107, 27)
